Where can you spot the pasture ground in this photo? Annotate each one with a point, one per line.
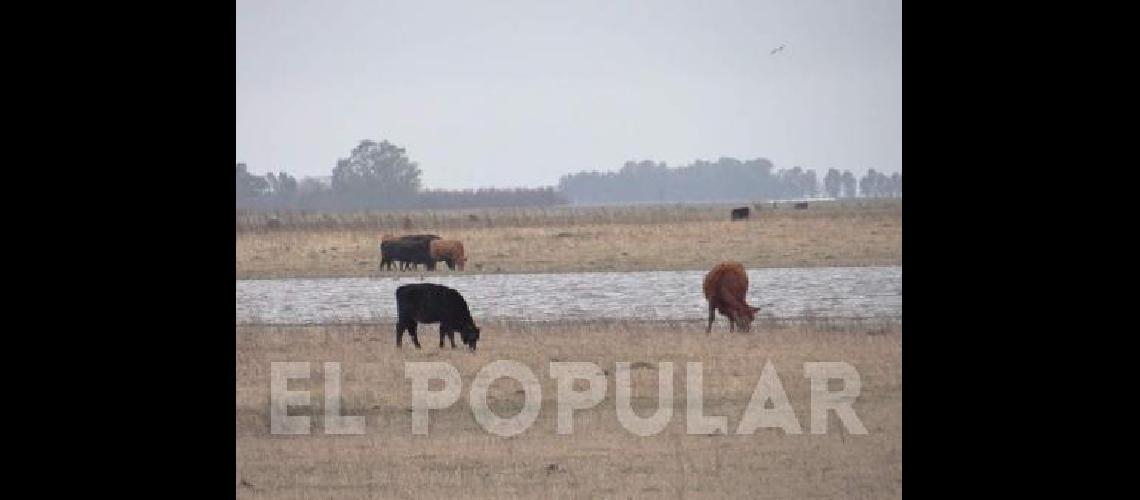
(458, 459)
(582, 239)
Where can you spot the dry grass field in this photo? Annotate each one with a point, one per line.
(598, 239)
(458, 459)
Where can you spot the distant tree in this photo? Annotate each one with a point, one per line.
(249, 186)
(310, 186)
(377, 170)
(868, 185)
(811, 183)
(833, 182)
(796, 182)
(848, 184)
(281, 185)
(288, 184)
(271, 179)
(883, 186)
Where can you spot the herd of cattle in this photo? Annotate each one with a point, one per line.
(742, 213)
(725, 288)
(410, 251)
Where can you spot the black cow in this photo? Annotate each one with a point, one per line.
(740, 213)
(800, 206)
(408, 251)
(401, 252)
(426, 239)
(431, 303)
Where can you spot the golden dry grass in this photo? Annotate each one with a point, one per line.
(844, 235)
(458, 459)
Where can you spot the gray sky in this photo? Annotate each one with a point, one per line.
(518, 93)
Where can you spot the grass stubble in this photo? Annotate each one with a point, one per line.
(458, 459)
(628, 239)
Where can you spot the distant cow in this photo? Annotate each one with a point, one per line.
(725, 287)
(407, 250)
(740, 213)
(425, 239)
(449, 251)
(800, 206)
(431, 303)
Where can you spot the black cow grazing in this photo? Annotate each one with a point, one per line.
(409, 251)
(740, 213)
(431, 303)
(800, 206)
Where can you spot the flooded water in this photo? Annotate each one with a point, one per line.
(853, 292)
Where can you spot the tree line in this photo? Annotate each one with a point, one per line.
(376, 175)
(379, 175)
(726, 179)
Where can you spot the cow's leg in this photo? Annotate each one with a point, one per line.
(400, 327)
(731, 323)
(442, 333)
(451, 337)
(412, 332)
(712, 316)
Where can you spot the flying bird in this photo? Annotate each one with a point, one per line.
(777, 49)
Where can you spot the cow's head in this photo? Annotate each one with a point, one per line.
(470, 335)
(744, 318)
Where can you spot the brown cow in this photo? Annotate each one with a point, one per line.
(725, 287)
(449, 251)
